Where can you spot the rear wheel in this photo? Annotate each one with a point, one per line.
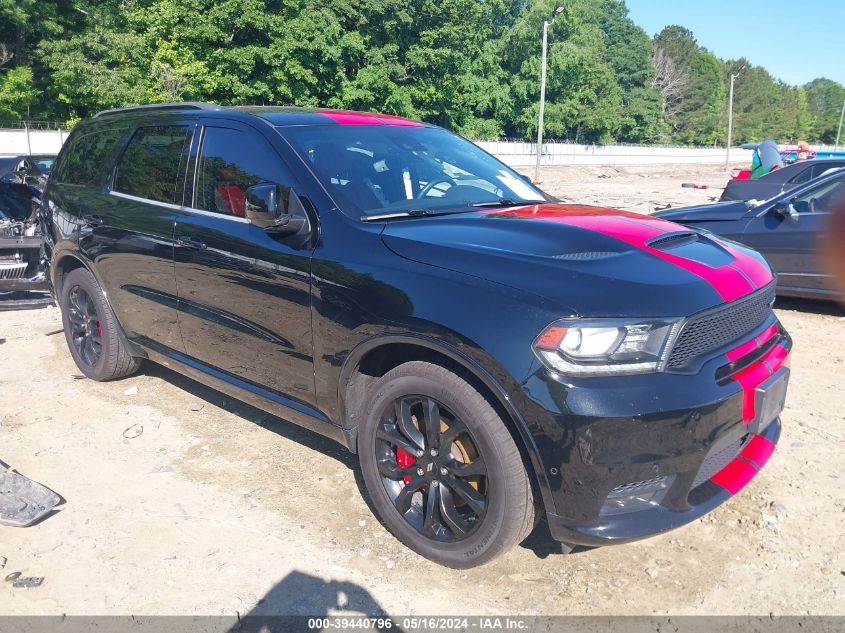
(442, 468)
(91, 329)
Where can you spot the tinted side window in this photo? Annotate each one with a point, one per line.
(84, 160)
(150, 165)
(802, 177)
(820, 199)
(231, 161)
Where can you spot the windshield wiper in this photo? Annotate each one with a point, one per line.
(505, 202)
(410, 213)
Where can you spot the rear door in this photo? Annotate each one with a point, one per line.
(244, 295)
(128, 232)
(792, 245)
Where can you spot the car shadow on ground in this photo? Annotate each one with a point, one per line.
(540, 541)
(816, 306)
(301, 597)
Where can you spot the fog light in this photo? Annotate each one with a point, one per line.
(636, 496)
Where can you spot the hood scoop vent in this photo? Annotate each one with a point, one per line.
(585, 255)
(672, 240)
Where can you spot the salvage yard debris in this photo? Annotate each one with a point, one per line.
(23, 502)
(24, 582)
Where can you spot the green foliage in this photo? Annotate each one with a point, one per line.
(17, 93)
(470, 65)
(825, 99)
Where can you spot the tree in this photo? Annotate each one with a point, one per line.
(670, 80)
(824, 104)
(17, 93)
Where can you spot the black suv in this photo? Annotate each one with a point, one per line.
(492, 357)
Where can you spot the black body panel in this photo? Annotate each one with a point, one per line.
(291, 321)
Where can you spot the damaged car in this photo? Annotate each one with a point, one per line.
(31, 169)
(23, 281)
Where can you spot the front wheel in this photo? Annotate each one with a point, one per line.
(441, 467)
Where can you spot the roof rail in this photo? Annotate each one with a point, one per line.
(184, 105)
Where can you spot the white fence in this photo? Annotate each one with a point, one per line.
(22, 141)
(519, 154)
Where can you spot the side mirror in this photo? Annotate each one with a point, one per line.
(786, 210)
(275, 209)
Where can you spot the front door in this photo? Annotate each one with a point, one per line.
(244, 294)
(791, 245)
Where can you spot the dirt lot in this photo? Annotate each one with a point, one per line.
(217, 508)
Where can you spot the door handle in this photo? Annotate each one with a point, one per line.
(190, 242)
(93, 221)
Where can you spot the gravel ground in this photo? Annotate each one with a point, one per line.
(218, 508)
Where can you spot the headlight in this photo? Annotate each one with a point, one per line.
(600, 347)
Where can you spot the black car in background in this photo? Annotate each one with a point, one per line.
(786, 229)
(491, 356)
(780, 180)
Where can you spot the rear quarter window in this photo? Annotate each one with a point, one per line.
(149, 166)
(86, 159)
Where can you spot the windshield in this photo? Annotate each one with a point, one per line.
(381, 169)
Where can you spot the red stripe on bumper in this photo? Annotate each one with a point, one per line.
(749, 346)
(734, 476)
(759, 450)
(751, 377)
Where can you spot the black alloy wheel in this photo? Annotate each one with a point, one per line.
(441, 466)
(86, 331)
(431, 468)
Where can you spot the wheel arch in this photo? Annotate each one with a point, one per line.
(374, 357)
(68, 262)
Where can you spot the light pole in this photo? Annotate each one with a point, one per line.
(839, 131)
(546, 25)
(731, 117)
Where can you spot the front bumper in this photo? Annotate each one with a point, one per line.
(671, 446)
(23, 281)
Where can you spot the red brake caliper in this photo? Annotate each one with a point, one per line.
(99, 329)
(404, 460)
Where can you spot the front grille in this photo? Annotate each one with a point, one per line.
(717, 328)
(718, 458)
(12, 271)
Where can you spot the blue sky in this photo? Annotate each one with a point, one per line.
(796, 40)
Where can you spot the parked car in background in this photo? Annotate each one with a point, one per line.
(490, 355)
(30, 169)
(786, 229)
(780, 180)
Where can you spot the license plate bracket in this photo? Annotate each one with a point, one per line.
(769, 399)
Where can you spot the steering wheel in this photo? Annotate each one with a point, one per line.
(444, 179)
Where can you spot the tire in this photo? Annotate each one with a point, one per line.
(87, 317)
(458, 535)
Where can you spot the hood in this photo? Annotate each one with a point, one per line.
(716, 212)
(589, 261)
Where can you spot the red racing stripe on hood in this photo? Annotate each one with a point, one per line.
(730, 281)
